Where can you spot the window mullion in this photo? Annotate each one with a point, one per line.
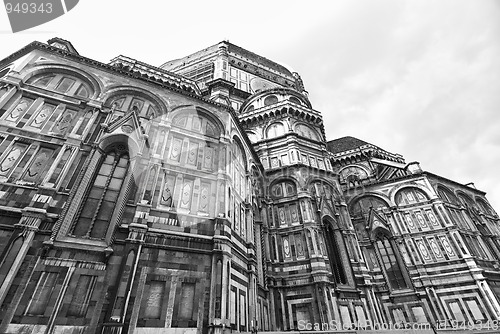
(108, 180)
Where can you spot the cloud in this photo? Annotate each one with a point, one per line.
(428, 90)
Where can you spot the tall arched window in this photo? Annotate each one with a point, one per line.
(97, 209)
(392, 268)
(335, 245)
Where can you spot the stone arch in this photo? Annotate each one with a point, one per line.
(115, 91)
(394, 192)
(336, 250)
(190, 109)
(91, 80)
(279, 188)
(381, 197)
(275, 129)
(484, 205)
(465, 199)
(113, 139)
(315, 180)
(448, 194)
(297, 129)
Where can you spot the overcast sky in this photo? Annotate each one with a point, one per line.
(419, 78)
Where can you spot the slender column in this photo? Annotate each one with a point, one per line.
(29, 224)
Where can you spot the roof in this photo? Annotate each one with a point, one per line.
(213, 51)
(345, 144)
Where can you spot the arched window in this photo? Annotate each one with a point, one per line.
(362, 206)
(271, 99)
(390, 263)
(295, 100)
(306, 131)
(335, 245)
(284, 189)
(123, 103)
(447, 195)
(352, 175)
(484, 207)
(466, 200)
(274, 130)
(196, 122)
(97, 210)
(410, 196)
(63, 83)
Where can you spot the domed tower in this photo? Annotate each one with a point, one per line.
(311, 240)
(305, 265)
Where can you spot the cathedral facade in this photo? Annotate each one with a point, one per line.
(202, 196)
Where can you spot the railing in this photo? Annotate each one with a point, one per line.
(112, 328)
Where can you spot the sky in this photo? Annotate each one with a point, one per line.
(420, 78)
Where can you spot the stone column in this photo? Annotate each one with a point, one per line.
(26, 228)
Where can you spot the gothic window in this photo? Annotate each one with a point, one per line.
(284, 189)
(306, 131)
(274, 130)
(63, 83)
(410, 196)
(390, 263)
(335, 246)
(95, 213)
